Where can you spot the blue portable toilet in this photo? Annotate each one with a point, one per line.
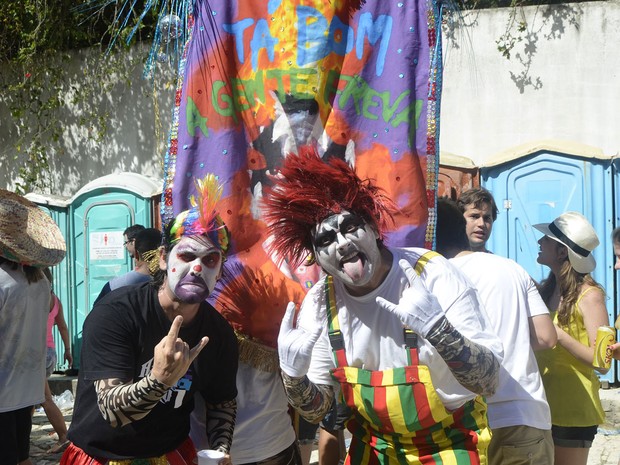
(58, 208)
(99, 213)
(535, 183)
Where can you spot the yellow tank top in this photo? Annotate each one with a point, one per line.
(571, 386)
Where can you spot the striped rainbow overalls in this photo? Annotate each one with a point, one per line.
(397, 417)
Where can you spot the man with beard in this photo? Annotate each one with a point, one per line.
(399, 330)
(148, 349)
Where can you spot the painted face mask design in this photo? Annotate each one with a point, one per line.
(346, 247)
(194, 266)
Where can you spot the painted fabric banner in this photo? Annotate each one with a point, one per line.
(258, 79)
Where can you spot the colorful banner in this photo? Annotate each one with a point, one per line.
(258, 79)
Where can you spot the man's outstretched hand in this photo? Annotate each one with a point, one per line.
(417, 308)
(173, 356)
(295, 345)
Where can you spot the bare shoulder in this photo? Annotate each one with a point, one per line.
(592, 305)
(591, 295)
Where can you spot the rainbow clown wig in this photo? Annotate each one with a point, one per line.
(307, 190)
(202, 218)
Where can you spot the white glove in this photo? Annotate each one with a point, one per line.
(418, 309)
(295, 345)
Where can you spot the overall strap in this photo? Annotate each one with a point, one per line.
(411, 338)
(335, 335)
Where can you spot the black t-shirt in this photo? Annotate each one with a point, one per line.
(119, 338)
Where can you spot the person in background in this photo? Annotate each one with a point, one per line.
(480, 211)
(518, 413)
(54, 415)
(129, 237)
(331, 448)
(615, 240)
(148, 349)
(145, 245)
(264, 432)
(29, 241)
(432, 351)
(577, 304)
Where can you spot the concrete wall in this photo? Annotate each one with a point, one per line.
(137, 118)
(561, 82)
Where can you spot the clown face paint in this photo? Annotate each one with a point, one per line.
(194, 266)
(345, 246)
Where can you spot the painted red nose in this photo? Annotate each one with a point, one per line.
(197, 268)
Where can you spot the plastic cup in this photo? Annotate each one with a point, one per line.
(210, 457)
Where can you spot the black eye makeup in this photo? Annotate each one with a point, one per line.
(329, 229)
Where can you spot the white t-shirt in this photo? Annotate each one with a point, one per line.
(510, 298)
(23, 339)
(373, 338)
(263, 427)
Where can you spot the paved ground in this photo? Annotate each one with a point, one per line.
(606, 447)
(605, 450)
(43, 438)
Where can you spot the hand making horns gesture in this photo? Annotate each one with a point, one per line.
(173, 356)
(417, 308)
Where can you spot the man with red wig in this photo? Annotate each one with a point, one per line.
(399, 331)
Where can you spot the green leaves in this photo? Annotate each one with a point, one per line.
(38, 89)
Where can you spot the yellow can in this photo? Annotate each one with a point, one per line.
(605, 337)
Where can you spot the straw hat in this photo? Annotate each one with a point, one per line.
(27, 234)
(574, 231)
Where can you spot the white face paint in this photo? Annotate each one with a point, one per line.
(345, 246)
(194, 266)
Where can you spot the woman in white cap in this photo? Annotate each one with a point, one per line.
(577, 303)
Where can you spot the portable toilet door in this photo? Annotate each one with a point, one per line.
(58, 208)
(100, 212)
(536, 183)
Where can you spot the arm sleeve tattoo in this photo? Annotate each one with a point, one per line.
(221, 424)
(312, 401)
(473, 365)
(121, 403)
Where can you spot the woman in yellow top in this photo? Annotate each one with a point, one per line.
(577, 304)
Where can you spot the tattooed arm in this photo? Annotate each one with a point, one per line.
(121, 403)
(221, 424)
(473, 365)
(312, 401)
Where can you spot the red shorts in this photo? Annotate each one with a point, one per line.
(185, 454)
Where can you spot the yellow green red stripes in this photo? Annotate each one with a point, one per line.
(398, 418)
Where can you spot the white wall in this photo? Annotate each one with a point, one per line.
(136, 134)
(562, 81)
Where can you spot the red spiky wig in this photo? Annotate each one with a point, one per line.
(307, 190)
